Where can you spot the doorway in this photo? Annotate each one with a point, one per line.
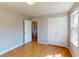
(34, 31)
(30, 31)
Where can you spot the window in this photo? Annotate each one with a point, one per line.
(74, 28)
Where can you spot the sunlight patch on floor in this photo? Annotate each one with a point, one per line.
(56, 55)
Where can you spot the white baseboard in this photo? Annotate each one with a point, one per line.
(70, 51)
(10, 49)
(27, 42)
(43, 43)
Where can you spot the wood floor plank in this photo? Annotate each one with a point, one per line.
(38, 50)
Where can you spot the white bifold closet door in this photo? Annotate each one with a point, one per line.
(58, 31)
(28, 31)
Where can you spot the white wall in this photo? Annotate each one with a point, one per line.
(42, 31)
(74, 50)
(11, 30)
(58, 31)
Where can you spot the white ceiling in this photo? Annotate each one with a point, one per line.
(39, 8)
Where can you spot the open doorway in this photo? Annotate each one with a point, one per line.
(34, 31)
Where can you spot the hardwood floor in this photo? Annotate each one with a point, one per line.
(38, 50)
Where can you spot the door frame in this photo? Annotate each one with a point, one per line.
(37, 30)
(23, 31)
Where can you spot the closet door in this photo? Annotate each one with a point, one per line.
(57, 31)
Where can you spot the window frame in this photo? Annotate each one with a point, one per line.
(72, 16)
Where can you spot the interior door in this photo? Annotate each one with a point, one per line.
(57, 31)
(28, 31)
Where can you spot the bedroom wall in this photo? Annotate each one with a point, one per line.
(42, 34)
(11, 30)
